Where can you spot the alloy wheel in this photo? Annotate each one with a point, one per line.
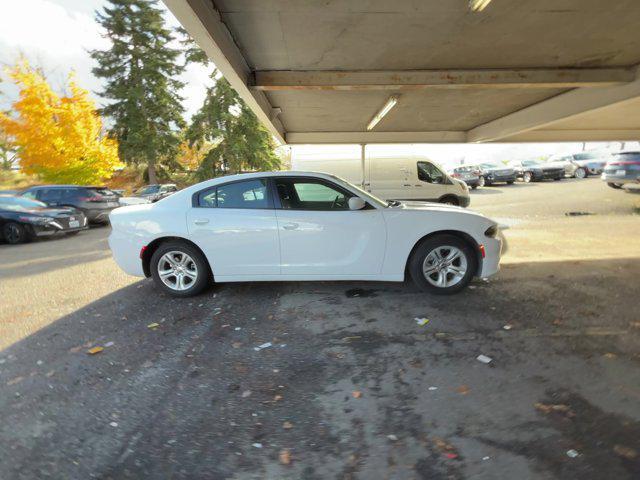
(445, 266)
(12, 233)
(177, 270)
(527, 177)
(580, 173)
(481, 181)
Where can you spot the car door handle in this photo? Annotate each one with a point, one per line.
(290, 226)
(201, 221)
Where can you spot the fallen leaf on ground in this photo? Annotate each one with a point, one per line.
(287, 425)
(285, 457)
(356, 394)
(610, 355)
(421, 321)
(451, 456)
(94, 350)
(277, 398)
(153, 325)
(626, 452)
(555, 407)
(15, 380)
(246, 393)
(463, 390)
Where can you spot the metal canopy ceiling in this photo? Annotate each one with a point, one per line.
(317, 71)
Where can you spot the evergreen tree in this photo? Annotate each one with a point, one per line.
(140, 70)
(240, 142)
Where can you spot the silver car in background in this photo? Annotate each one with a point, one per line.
(583, 164)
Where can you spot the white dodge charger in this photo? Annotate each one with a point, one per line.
(299, 226)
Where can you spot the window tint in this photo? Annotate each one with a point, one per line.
(310, 194)
(249, 194)
(427, 172)
(50, 195)
(30, 194)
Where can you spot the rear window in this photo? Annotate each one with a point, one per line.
(627, 157)
(100, 191)
(247, 194)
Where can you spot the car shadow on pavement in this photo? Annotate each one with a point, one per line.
(333, 379)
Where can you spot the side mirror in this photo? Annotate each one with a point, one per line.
(356, 203)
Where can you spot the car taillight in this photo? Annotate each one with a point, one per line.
(455, 175)
(142, 250)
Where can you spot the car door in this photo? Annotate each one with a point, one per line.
(430, 182)
(388, 178)
(321, 236)
(236, 227)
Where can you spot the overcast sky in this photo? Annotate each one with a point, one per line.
(56, 35)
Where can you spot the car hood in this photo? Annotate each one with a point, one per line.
(434, 207)
(48, 212)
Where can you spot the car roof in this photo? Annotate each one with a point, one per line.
(65, 186)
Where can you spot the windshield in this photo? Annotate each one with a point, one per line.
(528, 163)
(489, 165)
(366, 195)
(587, 156)
(20, 204)
(148, 190)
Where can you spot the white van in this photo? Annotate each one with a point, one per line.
(407, 177)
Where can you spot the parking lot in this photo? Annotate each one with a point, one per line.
(351, 386)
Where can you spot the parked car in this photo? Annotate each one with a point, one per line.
(472, 176)
(156, 192)
(623, 168)
(401, 177)
(496, 173)
(22, 219)
(583, 164)
(94, 202)
(298, 226)
(536, 170)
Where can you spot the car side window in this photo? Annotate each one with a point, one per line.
(311, 194)
(30, 194)
(427, 172)
(50, 195)
(247, 194)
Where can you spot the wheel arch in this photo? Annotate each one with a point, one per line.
(447, 196)
(465, 237)
(155, 244)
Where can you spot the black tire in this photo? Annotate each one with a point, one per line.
(617, 186)
(580, 173)
(203, 275)
(473, 187)
(14, 233)
(450, 200)
(557, 179)
(71, 234)
(427, 246)
(510, 182)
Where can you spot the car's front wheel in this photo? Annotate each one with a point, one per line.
(580, 173)
(527, 177)
(443, 264)
(179, 269)
(14, 233)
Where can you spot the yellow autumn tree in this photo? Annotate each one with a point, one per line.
(59, 138)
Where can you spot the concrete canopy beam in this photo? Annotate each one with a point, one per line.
(561, 107)
(423, 79)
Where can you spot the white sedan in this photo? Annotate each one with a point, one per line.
(299, 226)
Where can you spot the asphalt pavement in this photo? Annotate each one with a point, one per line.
(348, 384)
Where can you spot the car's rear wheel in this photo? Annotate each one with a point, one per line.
(481, 181)
(179, 269)
(527, 177)
(14, 233)
(615, 185)
(580, 173)
(443, 264)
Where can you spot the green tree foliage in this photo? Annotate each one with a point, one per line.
(240, 142)
(140, 70)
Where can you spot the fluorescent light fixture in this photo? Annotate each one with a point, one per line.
(393, 99)
(478, 5)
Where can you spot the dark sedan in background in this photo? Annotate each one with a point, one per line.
(495, 173)
(22, 219)
(536, 171)
(469, 175)
(94, 202)
(623, 168)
